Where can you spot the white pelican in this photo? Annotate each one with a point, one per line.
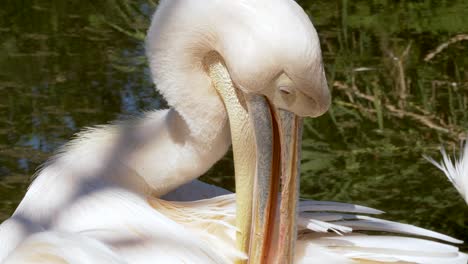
(216, 62)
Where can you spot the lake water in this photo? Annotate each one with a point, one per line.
(66, 65)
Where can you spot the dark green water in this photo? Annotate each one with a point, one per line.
(65, 65)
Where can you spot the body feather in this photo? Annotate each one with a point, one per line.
(127, 228)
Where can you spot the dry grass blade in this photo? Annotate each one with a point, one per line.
(444, 45)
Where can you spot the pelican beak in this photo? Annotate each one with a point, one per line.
(278, 133)
(277, 136)
(266, 143)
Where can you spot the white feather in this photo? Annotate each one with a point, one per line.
(455, 168)
(392, 249)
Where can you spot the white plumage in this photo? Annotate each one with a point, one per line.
(99, 199)
(456, 170)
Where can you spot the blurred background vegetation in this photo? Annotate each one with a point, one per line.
(398, 71)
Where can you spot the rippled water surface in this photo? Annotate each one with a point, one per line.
(65, 65)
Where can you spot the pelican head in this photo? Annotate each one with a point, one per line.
(259, 62)
(274, 50)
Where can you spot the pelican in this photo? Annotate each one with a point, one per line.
(234, 72)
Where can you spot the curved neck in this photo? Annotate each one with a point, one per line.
(167, 153)
(175, 50)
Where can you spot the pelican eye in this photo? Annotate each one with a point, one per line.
(286, 90)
